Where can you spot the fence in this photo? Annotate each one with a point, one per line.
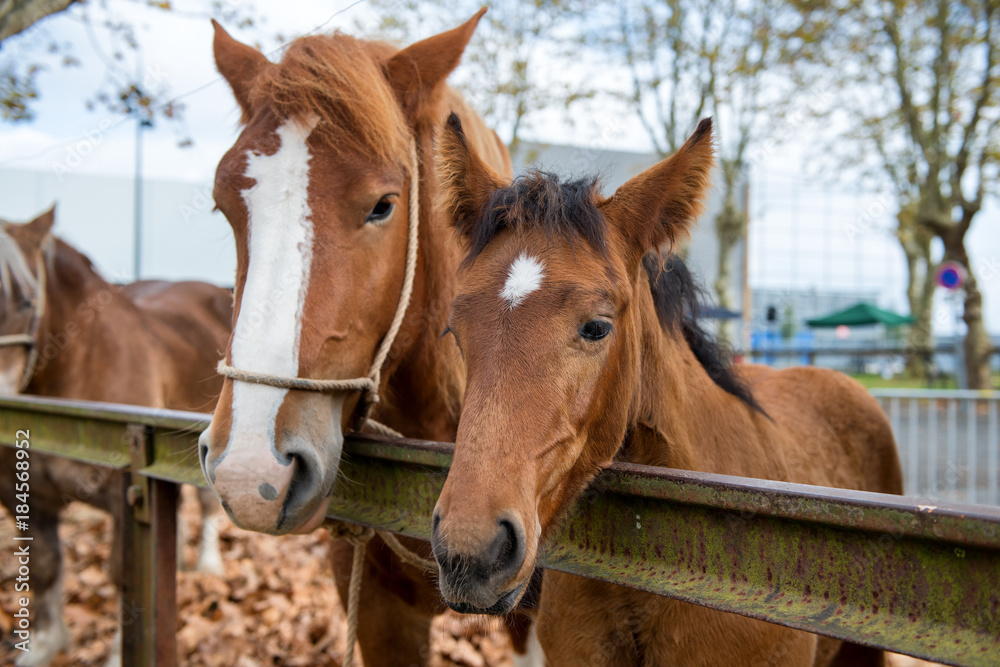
(949, 442)
(878, 570)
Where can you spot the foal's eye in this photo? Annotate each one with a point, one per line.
(381, 211)
(595, 329)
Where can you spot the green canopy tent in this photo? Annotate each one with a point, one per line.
(861, 314)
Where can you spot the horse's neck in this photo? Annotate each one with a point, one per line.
(681, 418)
(85, 316)
(425, 390)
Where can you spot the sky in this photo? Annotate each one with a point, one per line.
(807, 231)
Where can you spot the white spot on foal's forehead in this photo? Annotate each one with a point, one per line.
(523, 278)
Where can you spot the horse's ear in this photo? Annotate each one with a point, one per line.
(42, 225)
(466, 181)
(662, 203)
(238, 64)
(417, 72)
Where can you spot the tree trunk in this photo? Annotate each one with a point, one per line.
(17, 15)
(916, 244)
(730, 226)
(977, 343)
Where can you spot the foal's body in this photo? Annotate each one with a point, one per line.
(581, 352)
(150, 343)
(688, 422)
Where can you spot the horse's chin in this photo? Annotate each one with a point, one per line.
(313, 522)
(503, 606)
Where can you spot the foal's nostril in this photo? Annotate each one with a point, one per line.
(507, 549)
(499, 560)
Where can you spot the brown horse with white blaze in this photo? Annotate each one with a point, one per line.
(580, 352)
(68, 333)
(319, 191)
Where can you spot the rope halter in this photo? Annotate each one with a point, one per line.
(39, 283)
(370, 383)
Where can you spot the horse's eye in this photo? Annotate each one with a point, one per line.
(382, 210)
(595, 329)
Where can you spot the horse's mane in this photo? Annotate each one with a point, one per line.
(678, 298)
(568, 209)
(539, 200)
(341, 80)
(14, 268)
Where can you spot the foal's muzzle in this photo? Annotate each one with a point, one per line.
(476, 582)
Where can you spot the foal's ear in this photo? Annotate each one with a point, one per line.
(417, 72)
(238, 64)
(662, 203)
(466, 181)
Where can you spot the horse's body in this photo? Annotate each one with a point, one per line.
(581, 352)
(149, 343)
(317, 189)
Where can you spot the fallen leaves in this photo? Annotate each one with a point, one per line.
(275, 605)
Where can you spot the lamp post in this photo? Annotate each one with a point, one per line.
(137, 196)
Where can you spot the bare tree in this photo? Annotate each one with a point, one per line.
(502, 69)
(920, 91)
(111, 38)
(690, 58)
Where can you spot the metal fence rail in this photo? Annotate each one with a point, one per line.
(949, 442)
(880, 570)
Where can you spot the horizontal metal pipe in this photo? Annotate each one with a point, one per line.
(885, 571)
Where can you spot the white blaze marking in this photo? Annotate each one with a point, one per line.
(524, 277)
(280, 231)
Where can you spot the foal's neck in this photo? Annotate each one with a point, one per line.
(681, 418)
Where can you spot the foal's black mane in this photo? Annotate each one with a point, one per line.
(678, 298)
(567, 209)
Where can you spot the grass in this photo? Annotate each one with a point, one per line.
(872, 381)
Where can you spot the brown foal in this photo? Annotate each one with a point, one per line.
(579, 353)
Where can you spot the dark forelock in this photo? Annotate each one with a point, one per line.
(539, 200)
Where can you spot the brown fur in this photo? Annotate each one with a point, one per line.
(372, 101)
(150, 343)
(546, 410)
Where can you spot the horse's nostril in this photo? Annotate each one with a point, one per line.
(305, 480)
(508, 553)
(203, 457)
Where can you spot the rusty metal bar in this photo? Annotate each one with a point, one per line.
(879, 570)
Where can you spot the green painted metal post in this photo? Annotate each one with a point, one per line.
(149, 561)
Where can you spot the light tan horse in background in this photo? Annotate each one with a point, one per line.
(70, 334)
(579, 355)
(317, 189)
